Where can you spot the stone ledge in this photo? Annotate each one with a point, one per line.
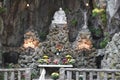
(55, 65)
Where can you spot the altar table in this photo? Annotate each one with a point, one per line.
(61, 66)
(42, 66)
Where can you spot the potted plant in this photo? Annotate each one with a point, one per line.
(55, 75)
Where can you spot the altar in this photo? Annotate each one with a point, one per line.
(43, 70)
(41, 66)
(61, 66)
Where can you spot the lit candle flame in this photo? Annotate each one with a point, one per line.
(30, 43)
(28, 5)
(87, 4)
(85, 44)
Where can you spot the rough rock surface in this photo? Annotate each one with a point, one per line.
(113, 13)
(112, 53)
(57, 41)
(18, 17)
(84, 49)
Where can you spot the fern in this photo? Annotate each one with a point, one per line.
(2, 10)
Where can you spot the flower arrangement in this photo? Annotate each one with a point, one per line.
(42, 61)
(55, 75)
(56, 61)
(68, 59)
(68, 56)
(71, 61)
(45, 57)
(45, 60)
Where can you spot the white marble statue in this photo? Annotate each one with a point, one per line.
(85, 21)
(59, 17)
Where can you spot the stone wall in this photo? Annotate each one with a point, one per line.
(111, 58)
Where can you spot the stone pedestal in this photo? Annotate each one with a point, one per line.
(83, 40)
(85, 52)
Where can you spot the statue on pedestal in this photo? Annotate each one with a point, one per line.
(59, 17)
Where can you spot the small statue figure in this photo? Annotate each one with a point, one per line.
(59, 17)
(85, 21)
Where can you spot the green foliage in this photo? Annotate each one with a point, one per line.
(1, 51)
(97, 11)
(2, 10)
(101, 13)
(33, 75)
(103, 18)
(42, 35)
(94, 14)
(96, 32)
(74, 22)
(55, 75)
(11, 65)
(22, 79)
(67, 10)
(1, 24)
(1, 76)
(104, 42)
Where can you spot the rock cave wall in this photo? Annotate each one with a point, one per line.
(18, 18)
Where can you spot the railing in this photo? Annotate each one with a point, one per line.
(16, 74)
(89, 74)
(42, 75)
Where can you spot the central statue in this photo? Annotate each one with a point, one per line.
(59, 17)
